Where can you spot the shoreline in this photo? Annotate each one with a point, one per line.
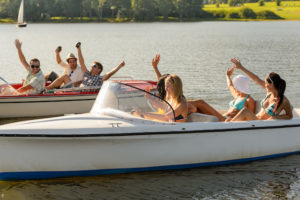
(6, 21)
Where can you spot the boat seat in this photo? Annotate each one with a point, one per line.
(199, 117)
(296, 113)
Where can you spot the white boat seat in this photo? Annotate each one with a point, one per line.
(296, 113)
(199, 117)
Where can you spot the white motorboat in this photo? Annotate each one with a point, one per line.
(58, 102)
(110, 139)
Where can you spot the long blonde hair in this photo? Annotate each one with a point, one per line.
(177, 86)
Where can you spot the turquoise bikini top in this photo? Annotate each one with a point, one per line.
(270, 109)
(239, 105)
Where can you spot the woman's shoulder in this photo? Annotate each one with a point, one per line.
(286, 101)
(184, 101)
(285, 105)
(183, 104)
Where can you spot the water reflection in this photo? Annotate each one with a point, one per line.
(270, 179)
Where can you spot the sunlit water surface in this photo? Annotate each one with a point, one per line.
(199, 53)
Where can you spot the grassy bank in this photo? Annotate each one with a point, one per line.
(288, 10)
(2, 21)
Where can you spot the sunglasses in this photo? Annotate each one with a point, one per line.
(95, 66)
(71, 73)
(269, 80)
(34, 66)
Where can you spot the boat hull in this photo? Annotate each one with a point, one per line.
(71, 101)
(50, 156)
(36, 106)
(23, 25)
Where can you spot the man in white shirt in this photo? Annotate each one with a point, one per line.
(35, 81)
(72, 76)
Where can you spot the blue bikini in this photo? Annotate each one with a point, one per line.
(239, 105)
(270, 110)
(179, 117)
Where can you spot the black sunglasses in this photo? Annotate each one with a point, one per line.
(34, 66)
(71, 73)
(95, 66)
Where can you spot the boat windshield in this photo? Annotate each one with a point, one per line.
(6, 89)
(132, 100)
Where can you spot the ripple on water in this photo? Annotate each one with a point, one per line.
(269, 179)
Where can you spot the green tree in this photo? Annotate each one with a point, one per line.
(9, 8)
(188, 8)
(164, 7)
(247, 13)
(100, 8)
(278, 2)
(143, 9)
(235, 2)
(261, 2)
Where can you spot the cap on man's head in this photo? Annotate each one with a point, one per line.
(70, 55)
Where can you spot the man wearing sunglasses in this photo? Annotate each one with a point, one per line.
(72, 76)
(92, 77)
(35, 81)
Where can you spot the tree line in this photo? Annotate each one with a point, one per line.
(139, 10)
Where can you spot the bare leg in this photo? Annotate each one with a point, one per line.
(59, 81)
(244, 115)
(203, 107)
(51, 76)
(47, 76)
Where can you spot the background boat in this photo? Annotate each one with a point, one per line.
(21, 22)
(58, 102)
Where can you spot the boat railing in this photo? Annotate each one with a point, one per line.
(121, 78)
(76, 89)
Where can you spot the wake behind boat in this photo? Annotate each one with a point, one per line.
(111, 139)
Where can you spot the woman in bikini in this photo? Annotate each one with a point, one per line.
(239, 89)
(174, 96)
(273, 104)
(194, 106)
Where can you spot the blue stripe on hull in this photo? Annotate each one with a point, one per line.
(57, 174)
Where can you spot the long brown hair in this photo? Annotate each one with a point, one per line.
(279, 85)
(161, 86)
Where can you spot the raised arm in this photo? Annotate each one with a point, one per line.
(251, 104)
(155, 62)
(255, 78)
(229, 82)
(57, 52)
(80, 57)
(21, 55)
(109, 74)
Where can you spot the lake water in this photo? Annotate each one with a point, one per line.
(199, 53)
